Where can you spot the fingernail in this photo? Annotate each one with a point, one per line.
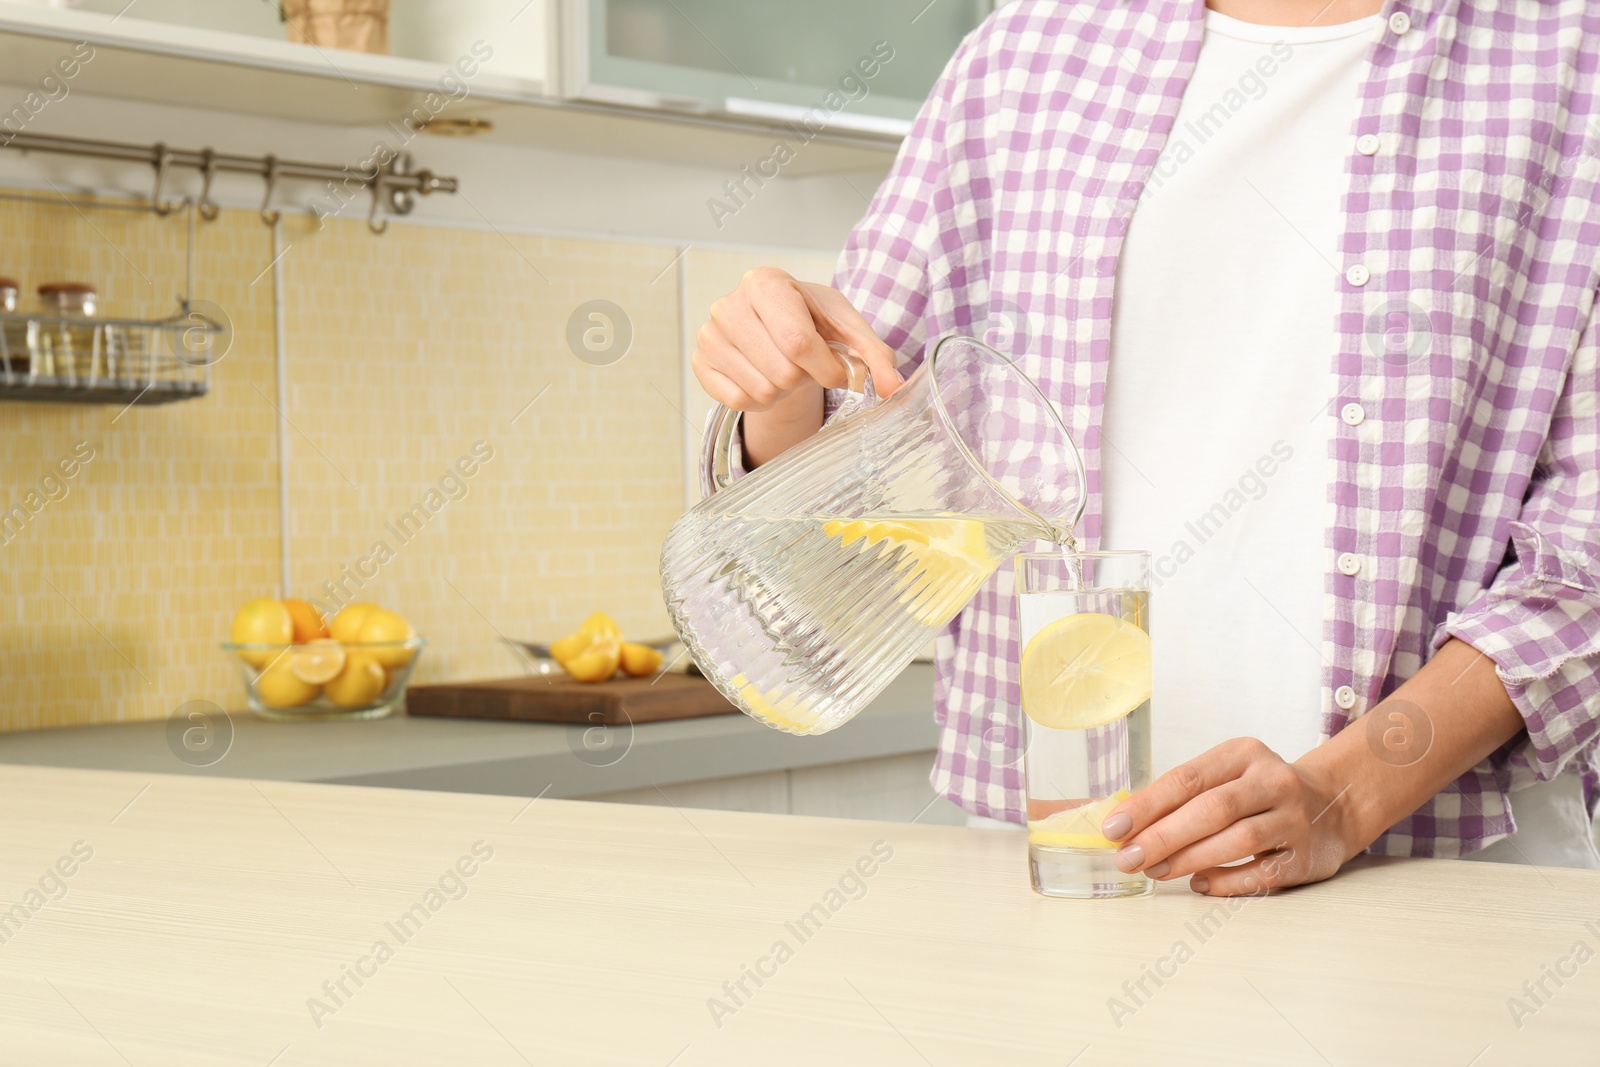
(1158, 870)
(1128, 859)
(1117, 826)
(1199, 885)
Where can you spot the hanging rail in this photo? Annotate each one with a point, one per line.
(394, 186)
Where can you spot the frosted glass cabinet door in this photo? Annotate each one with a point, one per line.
(861, 61)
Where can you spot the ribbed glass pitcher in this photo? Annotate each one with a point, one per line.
(803, 588)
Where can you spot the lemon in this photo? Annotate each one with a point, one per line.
(601, 625)
(1076, 827)
(1085, 670)
(308, 624)
(361, 682)
(569, 647)
(317, 662)
(279, 687)
(597, 663)
(594, 651)
(262, 622)
(346, 626)
(787, 714)
(387, 627)
(944, 560)
(640, 660)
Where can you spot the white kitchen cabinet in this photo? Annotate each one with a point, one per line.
(768, 792)
(253, 17)
(830, 69)
(891, 788)
(442, 31)
(863, 65)
(233, 56)
(439, 31)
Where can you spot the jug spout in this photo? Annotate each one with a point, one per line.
(1010, 434)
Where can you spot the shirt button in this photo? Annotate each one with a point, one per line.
(1358, 275)
(1353, 414)
(1367, 144)
(1399, 22)
(1345, 697)
(1349, 564)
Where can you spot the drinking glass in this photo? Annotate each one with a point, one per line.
(1085, 678)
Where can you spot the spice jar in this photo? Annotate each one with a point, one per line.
(63, 349)
(13, 335)
(69, 298)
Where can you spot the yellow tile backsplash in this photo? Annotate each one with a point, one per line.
(112, 594)
(575, 464)
(449, 455)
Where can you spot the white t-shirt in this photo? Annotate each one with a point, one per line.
(1222, 343)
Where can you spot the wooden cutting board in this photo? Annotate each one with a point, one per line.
(535, 698)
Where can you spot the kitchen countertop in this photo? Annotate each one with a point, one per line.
(203, 917)
(463, 755)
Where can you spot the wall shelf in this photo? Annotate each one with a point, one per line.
(75, 360)
(235, 72)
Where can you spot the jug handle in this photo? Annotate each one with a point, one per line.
(722, 434)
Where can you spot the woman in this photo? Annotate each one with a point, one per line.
(1325, 274)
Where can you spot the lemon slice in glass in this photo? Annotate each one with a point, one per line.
(1085, 670)
(1076, 827)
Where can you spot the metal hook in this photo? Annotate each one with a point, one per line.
(209, 210)
(401, 201)
(374, 223)
(268, 216)
(161, 159)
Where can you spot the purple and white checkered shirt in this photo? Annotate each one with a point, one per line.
(1466, 466)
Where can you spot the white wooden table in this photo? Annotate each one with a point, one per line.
(215, 919)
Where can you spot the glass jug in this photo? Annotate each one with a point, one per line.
(803, 588)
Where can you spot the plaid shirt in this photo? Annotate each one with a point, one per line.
(1465, 460)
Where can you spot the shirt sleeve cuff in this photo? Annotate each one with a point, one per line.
(832, 399)
(736, 467)
(1540, 624)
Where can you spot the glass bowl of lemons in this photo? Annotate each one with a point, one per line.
(298, 666)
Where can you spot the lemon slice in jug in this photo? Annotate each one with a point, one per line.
(785, 713)
(944, 560)
(1085, 670)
